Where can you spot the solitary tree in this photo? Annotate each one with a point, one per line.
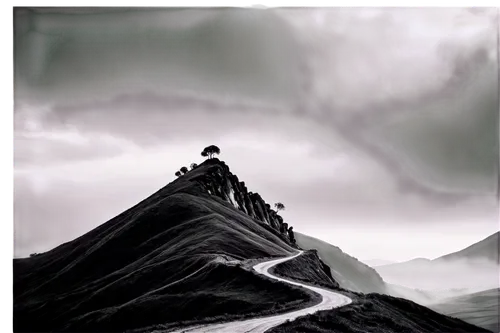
(178, 173)
(291, 235)
(210, 151)
(279, 206)
(184, 170)
(193, 166)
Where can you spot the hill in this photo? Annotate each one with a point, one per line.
(349, 272)
(174, 256)
(354, 275)
(472, 269)
(454, 292)
(183, 257)
(378, 262)
(416, 295)
(368, 312)
(480, 309)
(375, 313)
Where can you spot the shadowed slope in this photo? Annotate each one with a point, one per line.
(367, 313)
(378, 313)
(349, 272)
(165, 259)
(354, 275)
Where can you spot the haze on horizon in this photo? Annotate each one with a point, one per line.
(377, 128)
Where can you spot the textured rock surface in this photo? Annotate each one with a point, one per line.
(219, 181)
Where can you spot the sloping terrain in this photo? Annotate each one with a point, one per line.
(326, 299)
(454, 292)
(183, 257)
(378, 262)
(376, 313)
(415, 295)
(480, 309)
(349, 272)
(354, 275)
(169, 258)
(368, 312)
(307, 268)
(472, 269)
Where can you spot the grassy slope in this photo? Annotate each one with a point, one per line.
(354, 275)
(163, 259)
(375, 313)
(481, 309)
(307, 268)
(378, 314)
(347, 271)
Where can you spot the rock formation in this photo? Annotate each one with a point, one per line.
(219, 181)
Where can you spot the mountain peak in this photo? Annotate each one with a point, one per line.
(216, 179)
(419, 260)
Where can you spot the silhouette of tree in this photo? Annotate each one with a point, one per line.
(178, 173)
(184, 170)
(210, 151)
(193, 166)
(279, 206)
(291, 235)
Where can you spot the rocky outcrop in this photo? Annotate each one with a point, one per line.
(219, 181)
(307, 267)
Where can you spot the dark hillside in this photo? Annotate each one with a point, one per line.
(307, 268)
(376, 313)
(349, 272)
(166, 258)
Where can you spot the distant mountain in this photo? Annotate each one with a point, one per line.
(486, 251)
(480, 309)
(474, 268)
(348, 271)
(357, 276)
(416, 295)
(378, 262)
(449, 293)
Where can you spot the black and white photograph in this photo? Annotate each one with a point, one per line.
(255, 169)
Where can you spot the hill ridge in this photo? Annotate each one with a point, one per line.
(220, 182)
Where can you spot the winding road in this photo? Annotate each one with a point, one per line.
(329, 300)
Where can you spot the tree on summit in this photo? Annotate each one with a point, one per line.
(279, 206)
(291, 236)
(178, 173)
(184, 170)
(193, 166)
(210, 151)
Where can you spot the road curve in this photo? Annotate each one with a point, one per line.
(329, 300)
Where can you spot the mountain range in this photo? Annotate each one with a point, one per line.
(474, 268)
(194, 254)
(480, 308)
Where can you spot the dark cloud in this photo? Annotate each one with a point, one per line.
(384, 114)
(238, 63)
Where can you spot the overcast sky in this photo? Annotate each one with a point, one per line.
(377, 128)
